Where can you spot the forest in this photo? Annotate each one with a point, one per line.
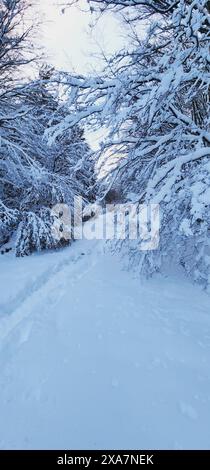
(153, 99)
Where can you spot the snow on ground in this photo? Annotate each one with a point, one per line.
(92, 358)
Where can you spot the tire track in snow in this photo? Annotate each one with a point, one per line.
(20, 307)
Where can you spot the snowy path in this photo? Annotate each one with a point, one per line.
(92, 358)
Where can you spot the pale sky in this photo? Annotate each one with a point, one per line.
(72, 45)
(69, 40)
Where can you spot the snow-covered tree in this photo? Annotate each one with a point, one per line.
(154, 99)
(34, 176)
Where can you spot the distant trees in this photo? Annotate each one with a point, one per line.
(34, 175)
(154, 99)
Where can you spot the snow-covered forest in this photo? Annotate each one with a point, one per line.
(147, 310)
(153, 98)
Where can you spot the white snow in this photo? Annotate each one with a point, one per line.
(93, 358)
(185, 227)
